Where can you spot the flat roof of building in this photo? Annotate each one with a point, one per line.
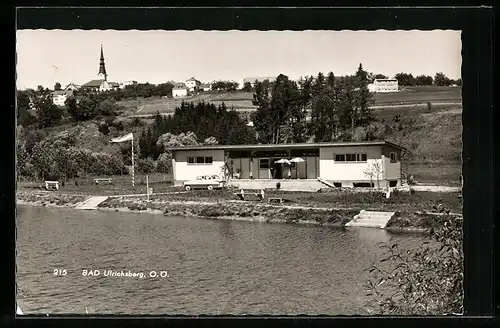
(288, 146)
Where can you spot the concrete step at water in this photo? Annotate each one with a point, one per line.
(370, 219)
(91, 203)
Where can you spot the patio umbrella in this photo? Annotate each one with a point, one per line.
(297, 160)
(282, 161)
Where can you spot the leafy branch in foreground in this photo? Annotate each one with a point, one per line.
(426, 280)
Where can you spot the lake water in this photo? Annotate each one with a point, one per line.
(212, 266)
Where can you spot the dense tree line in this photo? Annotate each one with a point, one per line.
(319, 109)
(225, 86)
(58, 158)
(216, 124)
(439, 79)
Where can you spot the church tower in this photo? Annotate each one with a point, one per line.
(102, 67)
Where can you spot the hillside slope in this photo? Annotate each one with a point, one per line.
(429, 137)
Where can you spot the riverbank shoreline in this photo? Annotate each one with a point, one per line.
(403, 221)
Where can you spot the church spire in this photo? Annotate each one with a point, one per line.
(102, 67)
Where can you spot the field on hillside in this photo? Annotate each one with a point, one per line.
(242, 101)
(420, 95)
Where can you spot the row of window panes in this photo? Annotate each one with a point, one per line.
(350, 157)
(200, 160)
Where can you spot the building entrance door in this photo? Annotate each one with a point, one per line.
(276, 169)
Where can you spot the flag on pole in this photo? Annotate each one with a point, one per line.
(124, 138)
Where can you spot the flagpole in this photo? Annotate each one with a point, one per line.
(133, 170)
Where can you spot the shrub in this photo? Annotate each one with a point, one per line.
(426, 280)
(106, 164)
(164, 163)
(145, 165)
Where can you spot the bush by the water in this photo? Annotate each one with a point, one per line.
(425, 280)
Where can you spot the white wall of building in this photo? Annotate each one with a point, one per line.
(177, 93)
(332, 170)
(59, 100)
(386, 85)
(184, 171)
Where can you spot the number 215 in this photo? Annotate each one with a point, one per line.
(59, 272)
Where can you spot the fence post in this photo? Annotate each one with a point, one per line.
(147, 187)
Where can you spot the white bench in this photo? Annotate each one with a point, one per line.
(52, 185)
(107, 180)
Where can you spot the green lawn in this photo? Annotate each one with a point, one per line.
(419, 95)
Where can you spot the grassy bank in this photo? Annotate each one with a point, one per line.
(333, 208)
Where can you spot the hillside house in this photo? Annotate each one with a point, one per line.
(345, 164)
(59, 97)
(192, 84)
(179, 90)
(72, 87)
(384, 85)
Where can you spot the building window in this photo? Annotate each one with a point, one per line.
(200, 160)
(393, 157)
(350, 157)
(339, 158)
(264, 163)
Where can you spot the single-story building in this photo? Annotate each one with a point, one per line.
(346, 164)
(384, 85)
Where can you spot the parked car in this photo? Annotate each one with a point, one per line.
(209, 182)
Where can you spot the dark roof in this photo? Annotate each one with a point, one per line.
(93, 84)
(291, 146)
(62, 93)
(180, 86)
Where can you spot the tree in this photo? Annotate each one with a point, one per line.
(441, 80)
(47, 113)
(247, 87)
(210, 141)
(145, 165)
(374, 170)
(57, 86)
(276, 115)
(24, 111)
(405, 79)
(381, 76)
(164, 163)
(423, 80)
(363, 114)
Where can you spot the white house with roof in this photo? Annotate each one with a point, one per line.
(345, 164)
(384, 85)
(59, 97)
(179, 90)
(192, 84)
(72, 87)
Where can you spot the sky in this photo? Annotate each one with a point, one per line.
(47, 56)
